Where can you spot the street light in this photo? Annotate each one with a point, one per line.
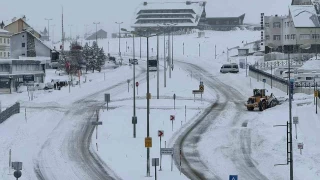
(48, 28)
(119, 23)
(134, 118)
(53, 32)
(170, 25)
(96, 23)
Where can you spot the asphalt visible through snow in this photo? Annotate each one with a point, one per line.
(193, 166)
(67, 153)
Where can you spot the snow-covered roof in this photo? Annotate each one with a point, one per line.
(304, 16)
(196, 6)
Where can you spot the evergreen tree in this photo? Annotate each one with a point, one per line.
(95, 54)
(101, 59)
(74, 58)
(87, 55)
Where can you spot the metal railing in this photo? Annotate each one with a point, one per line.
(7, 113)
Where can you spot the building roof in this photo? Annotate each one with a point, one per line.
(21, 20)
(99, 34)
(34, 37)
(304, 16)
(237, 17)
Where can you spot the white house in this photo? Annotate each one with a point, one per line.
(4, 42)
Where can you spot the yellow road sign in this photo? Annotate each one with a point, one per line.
(201, 88)
(148, 142)
(315, 93)
(148, 96)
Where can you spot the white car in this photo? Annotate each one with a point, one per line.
(232, 68)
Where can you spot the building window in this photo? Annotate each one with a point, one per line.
(0, 40)
(293, 36)
(267, 37)
(0, 54)
(23, 44)
(4, 40)
(4, 54)
(315, 36)
(267, 25)
(304, 36)
(276, 37)
(8, 54)
(8, 41)
(276, 25)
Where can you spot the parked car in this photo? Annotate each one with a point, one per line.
(133, 61)
(229, 68)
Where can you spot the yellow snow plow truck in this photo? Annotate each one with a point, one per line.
(261, 101)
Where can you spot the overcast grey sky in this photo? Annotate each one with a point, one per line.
(79, 13)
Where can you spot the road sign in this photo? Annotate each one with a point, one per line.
(107, 97)
(155, 161)
(128, 81)
(96, 123)
(174, 96)
(300, 145)
(172, 117)
(137, 84)
(233, 177)
(201, 88)
(148, 142)
(17, 174)
(166, 151)
(295, 120)
(134, 120)
(201, 83)
(197, 92)
(148, 97)
(292, 85)
(160, 133)
(316, 94)
(264, 80)
(16, 165)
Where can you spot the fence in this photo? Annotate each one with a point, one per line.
(4, 115)
(279, 83)
(268, 65)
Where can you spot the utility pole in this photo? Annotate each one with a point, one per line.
(140, 47)
(169, 53)
(157, 66)
(48, 28)
(62, 32)
(290, 121)
(119, 23)
(96, 23)
(215, 51)
(70, 25)
(134, 89)
(172, 49)
(148, 110)
(164, 59)
(53, 32)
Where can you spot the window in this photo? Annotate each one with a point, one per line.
(304, 36)
(8, 54)
(315, 36)
(0, 40)
(293, 36)
(309, 78)
(4, 40)
(276, 25)
(8, 41)
(0, 54)
(276, 37)
(267, 25)
(267, 37)
(4, 54)
(23, 44)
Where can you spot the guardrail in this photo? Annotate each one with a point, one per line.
(7, 113)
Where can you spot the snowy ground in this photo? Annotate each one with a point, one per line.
(117, 131)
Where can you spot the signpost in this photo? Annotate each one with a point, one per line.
(295, 122)
(16, 165)
(167, 151)
(194, 92)
(300, 146)
(264, 83)
(148, 142)
(160, 134)
(137, 85)
(17, 174)
(96, 123)
(233, 177)
(107, 99)
(172, 118)
(174, 101)
(155, 163)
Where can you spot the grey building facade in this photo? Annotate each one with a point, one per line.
(14, 72)
(26, 44)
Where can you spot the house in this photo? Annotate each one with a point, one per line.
(300, 27)
(14, 72)
(18, 25)
(223, 23)
(101, 34)
(27, 44)
(4, 42)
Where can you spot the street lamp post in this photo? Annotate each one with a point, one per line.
(53, 32)
(48, 28)
(119, 23)
(96, 23)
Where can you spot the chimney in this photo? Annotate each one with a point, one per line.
(2, 25)
(24, 18)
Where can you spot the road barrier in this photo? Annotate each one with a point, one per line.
(6, 114)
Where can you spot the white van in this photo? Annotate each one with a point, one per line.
(232, 68)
